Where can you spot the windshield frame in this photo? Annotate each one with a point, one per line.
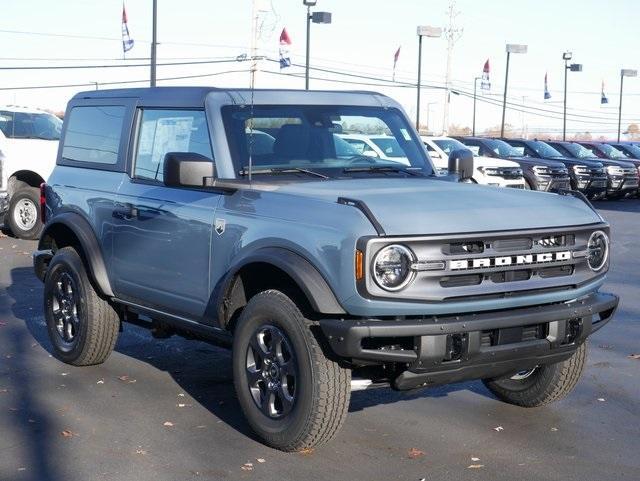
(235, 134)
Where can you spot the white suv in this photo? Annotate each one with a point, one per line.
(486, 170)
(28, 149)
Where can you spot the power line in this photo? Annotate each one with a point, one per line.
(166, 64)
(122, 82)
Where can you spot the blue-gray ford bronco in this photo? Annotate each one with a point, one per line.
(243, 218)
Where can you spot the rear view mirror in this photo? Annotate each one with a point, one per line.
(187, 169)
(461, 162)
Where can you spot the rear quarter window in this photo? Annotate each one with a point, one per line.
(93, 134)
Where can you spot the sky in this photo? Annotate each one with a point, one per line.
(361, 40)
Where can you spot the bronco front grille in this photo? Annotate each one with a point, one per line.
(492, 265)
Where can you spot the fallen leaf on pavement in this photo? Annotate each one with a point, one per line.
(601, 399)
(247, 467)
(554, 429)
(261, 460)
(101, 381)
(475, 459)
(475, 466)
(415, 453)
(126, 379)
(141, 451)
(605, 346)
(67, 434)
(634, 356)
(498, 428)
(64, 373)
(168, 423)
(306, 451)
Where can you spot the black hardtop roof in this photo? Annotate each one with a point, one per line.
(189, 96)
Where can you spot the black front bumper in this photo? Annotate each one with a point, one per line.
(484, 345)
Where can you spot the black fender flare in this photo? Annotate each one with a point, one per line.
(86, 236)
(307, 277)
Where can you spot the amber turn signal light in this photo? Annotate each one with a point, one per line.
(359, 266)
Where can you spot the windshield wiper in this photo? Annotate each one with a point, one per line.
(286, 170)
(382, 168)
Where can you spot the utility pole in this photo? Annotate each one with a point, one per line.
(254, 43)
(453, 34)
(475, 95)
(154, 43)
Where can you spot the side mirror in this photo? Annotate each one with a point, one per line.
(187, 169)
(461, 162)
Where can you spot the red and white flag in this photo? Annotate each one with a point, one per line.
(485, 83)
(127, 41)
(396, 56)
(285, 44)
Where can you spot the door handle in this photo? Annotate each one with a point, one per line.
(125, 212)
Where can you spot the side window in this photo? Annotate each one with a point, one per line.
(163, 131)
(93, 134)
(520, 149)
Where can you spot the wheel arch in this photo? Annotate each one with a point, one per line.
(33, 179)
(272, 268)
(70, 229)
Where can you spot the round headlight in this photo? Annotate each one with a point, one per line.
(392, 267)
(597, 250)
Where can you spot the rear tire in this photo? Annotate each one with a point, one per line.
(303, 401)
(23, 216)
(546, 384)
(82, 326)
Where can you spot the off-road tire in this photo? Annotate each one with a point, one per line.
(98, 323)
(31, 195)
(324, 388)
(548, 383)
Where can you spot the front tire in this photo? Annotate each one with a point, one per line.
(543, 385)
(293, 397)
(24, 217)
(82, 326)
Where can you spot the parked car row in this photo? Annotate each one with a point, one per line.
(598, 170)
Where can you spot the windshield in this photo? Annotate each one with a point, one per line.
(544, 150)
(502, 149)
(612, 152)
(335, 141)
(631, 151)
(579, 151)
(24, 125)
(389, 146)
(449, 145)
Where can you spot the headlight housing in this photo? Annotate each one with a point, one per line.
(392, 267)
(490, 170)
(597, 250)
(614, 170)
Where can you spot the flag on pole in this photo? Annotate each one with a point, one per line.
(396, 56)
(127, 41)
(547, 95)
(285, 43)
(603, 97)
(485, 83)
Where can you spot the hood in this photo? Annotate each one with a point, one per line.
(536, 161)
(482, 161)
(421, 206)
(593, 163)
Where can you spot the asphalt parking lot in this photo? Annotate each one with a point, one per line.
(166, 409)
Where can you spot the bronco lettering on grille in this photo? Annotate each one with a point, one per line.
(524, 259)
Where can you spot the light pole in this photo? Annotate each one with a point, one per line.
(475, 88)
(154, 42)
(315, 17)
(423, 31)
(574, 67)
(625, 72)
(511, 48)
